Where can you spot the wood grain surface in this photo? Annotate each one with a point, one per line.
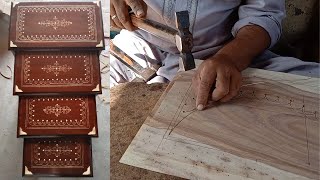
(269, 131)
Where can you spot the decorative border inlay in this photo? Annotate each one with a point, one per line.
(45, 156)
(51, 123)
(90, 36)
(56, 68)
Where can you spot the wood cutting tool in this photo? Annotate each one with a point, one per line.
(181, 36)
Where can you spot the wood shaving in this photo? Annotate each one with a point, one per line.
(7, 77)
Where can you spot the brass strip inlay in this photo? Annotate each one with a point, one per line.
(12, 44)
(21, 132)
(17, 89)
(93, 132)
(87, 172)
(97, 88)
(26, 171)
(100, 44)
(57, 110)
(55, 23)
(97, 3)
(15, 3)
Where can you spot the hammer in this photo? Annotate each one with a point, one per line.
(181, 36)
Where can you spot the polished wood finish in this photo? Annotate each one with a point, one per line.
(56, 25)
(57, 116)
(57, 157)
(57, 73)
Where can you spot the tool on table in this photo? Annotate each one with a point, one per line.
(181, 36)
(145, 73)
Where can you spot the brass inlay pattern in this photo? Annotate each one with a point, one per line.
(34, 122)
(55, 23)
(57, 110)
(57, 150)
(86, 80)
(60, 154)
(89, 36)
(56, 68)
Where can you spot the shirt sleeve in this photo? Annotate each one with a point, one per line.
(267, 14)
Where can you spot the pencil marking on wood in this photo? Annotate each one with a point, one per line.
(267, 121)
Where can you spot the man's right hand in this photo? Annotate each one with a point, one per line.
(119, 14)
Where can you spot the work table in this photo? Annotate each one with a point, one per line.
(130, 105)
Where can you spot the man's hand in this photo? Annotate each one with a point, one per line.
(223, 69)
(119, 12)
(218, 71)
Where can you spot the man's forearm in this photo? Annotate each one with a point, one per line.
(250, 41)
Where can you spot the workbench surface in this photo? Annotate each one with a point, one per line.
(130, 105)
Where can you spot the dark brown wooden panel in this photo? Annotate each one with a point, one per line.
(56, 25)
(57, 116)
(56, 73)
(57, 157)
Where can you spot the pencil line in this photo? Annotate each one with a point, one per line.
(174, 117)
(181, 121)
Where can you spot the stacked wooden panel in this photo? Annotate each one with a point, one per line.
(57, 75)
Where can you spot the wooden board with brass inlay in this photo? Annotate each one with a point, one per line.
(56, 25)
(57, 157)
(57, 116)
(56, 73)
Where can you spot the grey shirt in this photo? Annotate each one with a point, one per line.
(215, 22)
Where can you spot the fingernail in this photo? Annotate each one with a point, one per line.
(200, 107)
(139, 12)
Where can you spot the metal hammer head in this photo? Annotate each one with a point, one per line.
(184, 40)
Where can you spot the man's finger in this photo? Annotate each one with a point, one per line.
(123, 15)
(115, 21)
(195, 83)
(222, 86)
(234, 88)
(204, 86)
(138, 7)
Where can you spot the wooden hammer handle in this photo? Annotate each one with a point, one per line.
(155, 28)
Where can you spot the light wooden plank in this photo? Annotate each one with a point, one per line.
(269, 131)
